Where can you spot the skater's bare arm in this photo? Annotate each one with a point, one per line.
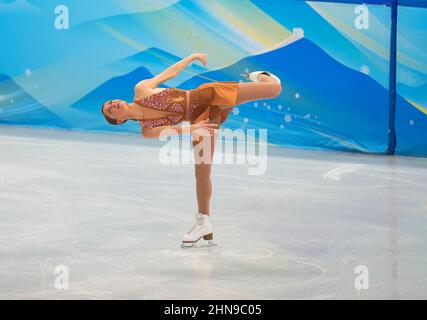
(181, 65)
(154, 82)
(173, 70)
(179, 129)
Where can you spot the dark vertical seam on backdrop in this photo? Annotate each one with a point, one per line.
(392, 84)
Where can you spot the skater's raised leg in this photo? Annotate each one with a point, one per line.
(266, 87)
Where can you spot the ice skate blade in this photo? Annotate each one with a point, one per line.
(195, 245)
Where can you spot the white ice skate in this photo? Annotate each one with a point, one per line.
(202, 229)
(253, 76)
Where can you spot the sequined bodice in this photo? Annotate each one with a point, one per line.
(171, 100)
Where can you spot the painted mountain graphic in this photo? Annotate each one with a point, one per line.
(154, 59)
(17, 107)
(324, 103)
(415, 94)
(120, 87)
(411, 129)
(292, 14)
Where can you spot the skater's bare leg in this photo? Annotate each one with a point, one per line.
(266, 88)
(203, 176)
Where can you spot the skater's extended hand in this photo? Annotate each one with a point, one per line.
(205, 125)
(202, 57)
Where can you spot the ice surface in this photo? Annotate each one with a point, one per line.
(105, 207)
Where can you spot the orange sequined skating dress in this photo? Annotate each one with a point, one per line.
(203, 103)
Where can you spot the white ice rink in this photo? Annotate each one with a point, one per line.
(104, 207)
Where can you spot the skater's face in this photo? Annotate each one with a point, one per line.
(116, 110)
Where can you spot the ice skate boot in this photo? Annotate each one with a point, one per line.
(202, 229)
(253, 76)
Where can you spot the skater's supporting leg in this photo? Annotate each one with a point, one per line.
(203, 177)
(266, 88)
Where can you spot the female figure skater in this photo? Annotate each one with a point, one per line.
(205, 107)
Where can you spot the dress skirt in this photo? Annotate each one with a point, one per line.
(209, 99)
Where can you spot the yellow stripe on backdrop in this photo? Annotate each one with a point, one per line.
(418, 106)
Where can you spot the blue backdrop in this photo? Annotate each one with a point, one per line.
(354, 78)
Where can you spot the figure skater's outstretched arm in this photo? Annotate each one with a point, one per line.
(173, 70)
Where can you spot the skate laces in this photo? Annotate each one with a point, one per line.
(198, 225)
